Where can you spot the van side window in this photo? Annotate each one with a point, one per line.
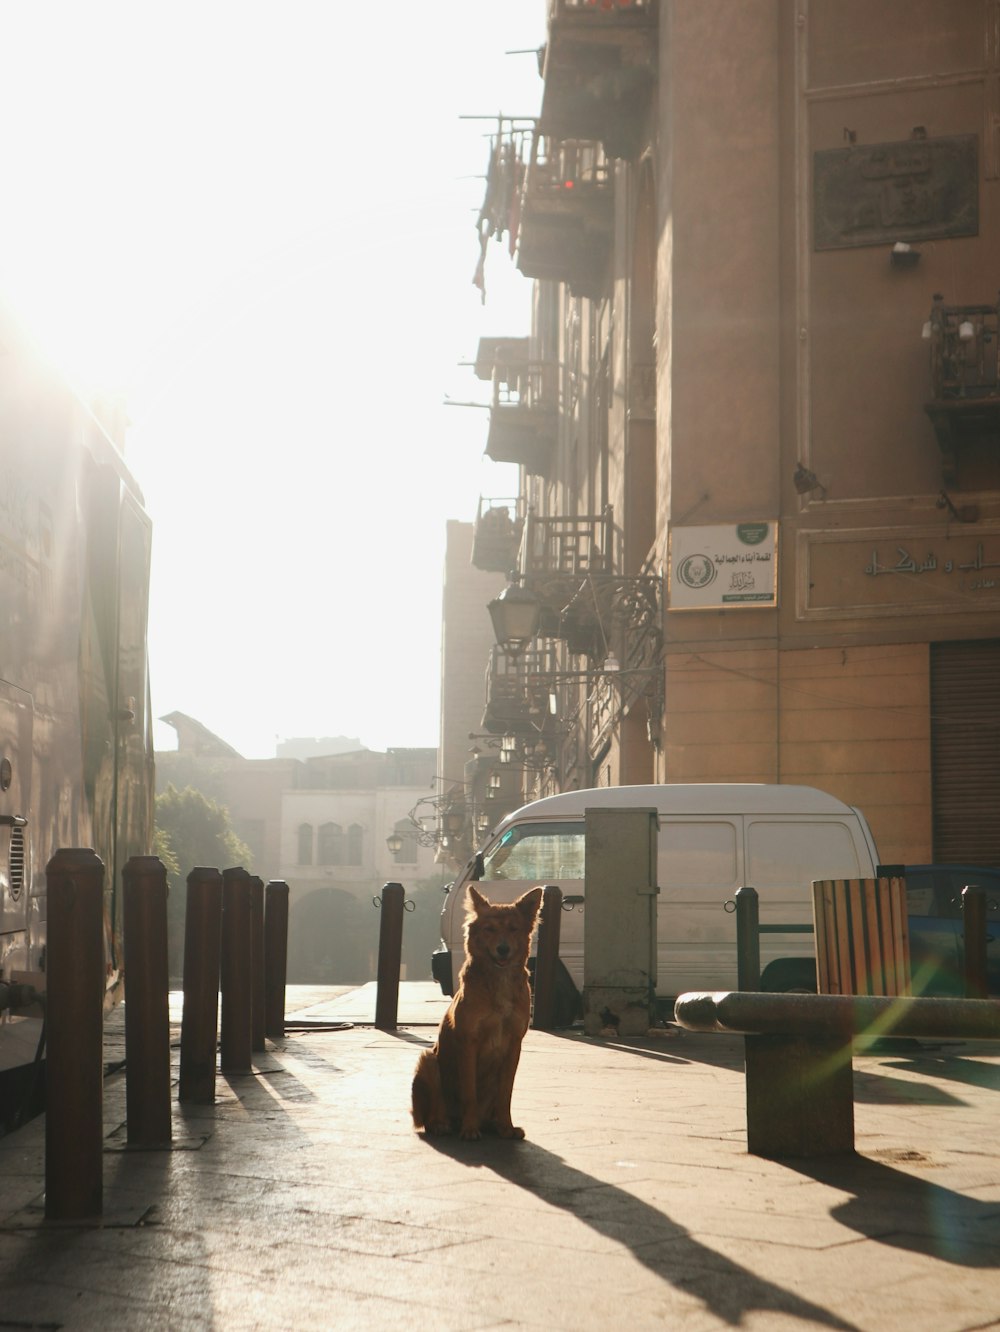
(700, 853)
(537, 852)
(791, 853)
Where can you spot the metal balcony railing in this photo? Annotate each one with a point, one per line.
(517, 691)
(524, 414)
(567, 214)
(496, 535)
(574, 544)
(965, 378)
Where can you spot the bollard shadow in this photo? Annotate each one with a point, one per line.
(729, 1291)
(413, 1038)
(971, 1072)
(717, 1051)
(880, 1089)
(899, 1209)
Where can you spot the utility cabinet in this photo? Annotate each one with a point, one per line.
(619, 921)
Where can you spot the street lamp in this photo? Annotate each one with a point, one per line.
(395, 843)
(515, 614)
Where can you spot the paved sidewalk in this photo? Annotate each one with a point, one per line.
(304, 1200)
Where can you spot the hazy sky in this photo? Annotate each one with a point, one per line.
(256, 221)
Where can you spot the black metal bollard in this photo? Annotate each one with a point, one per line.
(974, 932)
(236, 1025)
(747, 938)
(546, 957)
(147, 1007)
(275, 957)
(257, 962)
(74, 1160)
(200, 1020)
(390, 949)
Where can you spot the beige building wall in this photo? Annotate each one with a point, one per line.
(851, 721)
(774, 350)
(466, 639)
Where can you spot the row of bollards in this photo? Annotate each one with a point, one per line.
(235, 935)
(236, 942)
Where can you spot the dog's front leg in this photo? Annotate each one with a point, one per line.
(467, 1089)
(505, 1089)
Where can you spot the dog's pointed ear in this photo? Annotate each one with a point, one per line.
(528, 904)
(475, 902)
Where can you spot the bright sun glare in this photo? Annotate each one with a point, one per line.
(256, 224)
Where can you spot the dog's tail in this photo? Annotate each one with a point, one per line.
(427, 1094)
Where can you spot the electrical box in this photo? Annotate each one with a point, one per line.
(619, 921)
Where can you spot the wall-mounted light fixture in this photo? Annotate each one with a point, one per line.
(515, 614)
(965, 513)
(807, 481)
(903, 255)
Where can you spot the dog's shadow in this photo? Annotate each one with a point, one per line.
(729, 1291)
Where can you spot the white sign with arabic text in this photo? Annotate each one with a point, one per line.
(721, 567)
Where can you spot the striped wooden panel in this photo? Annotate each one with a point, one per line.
(862, 936)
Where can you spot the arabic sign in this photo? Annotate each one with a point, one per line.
(880, 193)
(888, 571)
(723, 567)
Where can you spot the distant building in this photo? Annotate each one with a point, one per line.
(300, 747)
(322, 825)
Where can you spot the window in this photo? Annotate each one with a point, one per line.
(699, 854)
(331, 844)
(537, 851)
(794, 852)
(355, 844)
(305, 836)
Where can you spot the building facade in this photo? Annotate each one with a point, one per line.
(336, 855)
(757, 414)
(335, 827)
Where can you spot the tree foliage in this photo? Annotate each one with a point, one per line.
(191, 829)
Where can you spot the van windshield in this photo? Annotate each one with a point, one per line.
(537, 851)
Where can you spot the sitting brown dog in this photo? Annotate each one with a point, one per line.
(465, 1081)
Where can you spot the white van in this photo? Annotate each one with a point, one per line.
(712, 839)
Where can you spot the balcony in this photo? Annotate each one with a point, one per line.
(567, 215)
(523, 416)
(559, 557)
(965, 379)
(599, 70)
(517, 692)
(496, 535)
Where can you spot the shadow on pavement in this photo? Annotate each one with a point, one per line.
(895, 1208)
(877, 1088)
(729, 1291)
(972, 1072)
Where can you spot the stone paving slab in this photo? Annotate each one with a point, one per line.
(303, 1198)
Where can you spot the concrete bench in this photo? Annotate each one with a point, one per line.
(799, 1079)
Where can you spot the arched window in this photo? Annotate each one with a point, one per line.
(305, 836)
(331, 844)
(355, 844)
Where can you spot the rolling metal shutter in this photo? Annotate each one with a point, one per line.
(965, 751)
